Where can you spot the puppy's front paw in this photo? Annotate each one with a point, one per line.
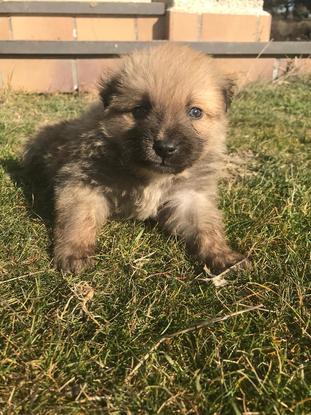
(74, 261)
(73, 264)
(228, 259)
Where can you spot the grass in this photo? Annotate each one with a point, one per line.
(93, 344)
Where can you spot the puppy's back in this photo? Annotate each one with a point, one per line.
(54, 145)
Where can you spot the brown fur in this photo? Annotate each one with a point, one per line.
(104, 164)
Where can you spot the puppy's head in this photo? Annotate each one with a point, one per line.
(165, 108)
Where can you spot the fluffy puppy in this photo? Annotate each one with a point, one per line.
(151, 148)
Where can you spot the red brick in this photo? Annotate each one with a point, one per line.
(91, 70)
(151, 28)
(34, 75)
(183, 26)
(42, 28)
(247, 70)
(5, 33)
(106, 28)
(229, 27)
(264, 28)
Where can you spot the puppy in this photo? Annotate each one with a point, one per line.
(151, 148)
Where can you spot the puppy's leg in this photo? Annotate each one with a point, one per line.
(80, 211)
(198, 221)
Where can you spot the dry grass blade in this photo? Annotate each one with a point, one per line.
(20, 277)
(196, 326)
(219, 280)
(84, 294)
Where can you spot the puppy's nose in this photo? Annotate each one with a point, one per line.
(164, 148)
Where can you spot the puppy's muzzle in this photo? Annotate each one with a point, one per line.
(165, 148)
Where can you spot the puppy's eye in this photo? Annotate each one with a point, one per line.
(195, 113)
(140, 111)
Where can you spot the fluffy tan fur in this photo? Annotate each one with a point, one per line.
(141, 153)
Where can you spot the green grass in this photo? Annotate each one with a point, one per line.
(69, 343)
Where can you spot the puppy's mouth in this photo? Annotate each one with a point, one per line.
(164, 162)
(170, 156)
(163, 165)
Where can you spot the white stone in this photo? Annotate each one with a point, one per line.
(217, 6)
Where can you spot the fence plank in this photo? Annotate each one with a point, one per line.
(97, 49)
(76, 8)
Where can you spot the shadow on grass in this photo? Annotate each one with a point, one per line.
(37, 193)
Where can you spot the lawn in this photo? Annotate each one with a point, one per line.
(124, 337)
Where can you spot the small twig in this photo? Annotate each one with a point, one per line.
(188, 329)
(93, 399)
(31, 274)
(226, 271)
(84, 293)
(219, 279)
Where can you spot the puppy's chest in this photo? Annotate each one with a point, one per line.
(141, 202)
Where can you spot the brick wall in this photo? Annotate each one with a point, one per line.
(49, 75)
(65, 75)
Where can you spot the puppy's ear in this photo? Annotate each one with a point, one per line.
(108, 86)
(229, 89)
